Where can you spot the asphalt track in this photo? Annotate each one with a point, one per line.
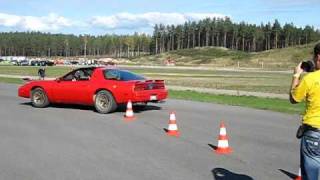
(74, 142)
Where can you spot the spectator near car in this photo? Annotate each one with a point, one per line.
(307, 89)
(41, 73)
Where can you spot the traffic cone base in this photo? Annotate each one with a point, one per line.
(132, 118)
(173, 133)
(299, 176)
(223, 150)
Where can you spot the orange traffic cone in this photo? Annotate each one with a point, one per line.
(299, 176)
(129, 116)
(173, 128)
(223, 145)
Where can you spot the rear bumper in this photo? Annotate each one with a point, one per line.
(150, 96)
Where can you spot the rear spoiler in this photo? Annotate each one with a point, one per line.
(159, 81)
(150, 81)
(144, 85)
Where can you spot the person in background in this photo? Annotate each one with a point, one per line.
(307, 88)
(41, 73)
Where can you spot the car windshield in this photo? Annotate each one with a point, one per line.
(122, 75)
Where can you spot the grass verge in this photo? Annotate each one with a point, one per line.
(271, 104)
(51, 71)
(11, 80)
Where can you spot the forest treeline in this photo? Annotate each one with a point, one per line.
(236, 36)
(46, 44)
(208, 32)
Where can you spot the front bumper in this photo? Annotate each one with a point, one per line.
(23, 92)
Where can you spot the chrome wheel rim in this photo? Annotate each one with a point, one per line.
(38, 97)
(103, 101)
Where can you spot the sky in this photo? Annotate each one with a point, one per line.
(99, 17)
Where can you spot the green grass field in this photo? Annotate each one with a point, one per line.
(256, 81)
(271, 82)
(272, 104)
(53, 71)
(11, 80)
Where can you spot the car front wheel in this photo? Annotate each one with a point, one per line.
(39, 98)
(104, 102)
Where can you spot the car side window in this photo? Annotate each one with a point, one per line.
(112, 74)
(82, 75)
(88, 72)
(68, 77)
(78, 75)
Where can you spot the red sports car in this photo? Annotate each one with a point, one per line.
(101, 87)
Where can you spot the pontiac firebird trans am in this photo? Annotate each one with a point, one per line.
(102, 87)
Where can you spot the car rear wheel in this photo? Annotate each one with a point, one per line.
(104, 102)
(39, 98)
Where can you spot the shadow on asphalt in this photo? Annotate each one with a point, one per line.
(26, 103)
(137, 108)
(121, 108)
(289, 174)
(165, 130)
(223, 174)
(213, 146)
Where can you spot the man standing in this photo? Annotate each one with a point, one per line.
(308, 89)
(41, 73)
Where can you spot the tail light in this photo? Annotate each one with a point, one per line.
(139, 87)
(159, 84)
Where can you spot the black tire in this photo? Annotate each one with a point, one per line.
(39, 98)
(104, 102)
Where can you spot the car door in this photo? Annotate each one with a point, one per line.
(72, 89)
